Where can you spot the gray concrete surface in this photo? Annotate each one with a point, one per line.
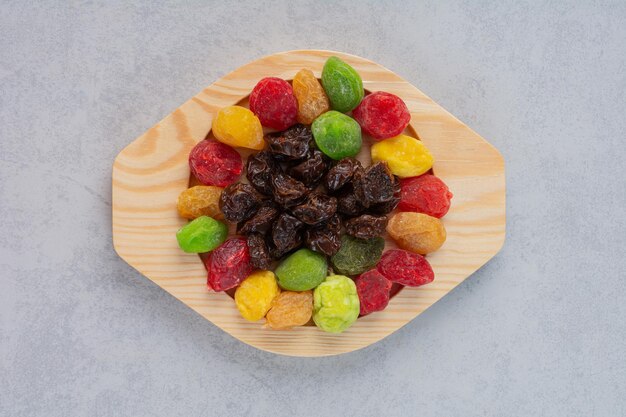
(539, 331)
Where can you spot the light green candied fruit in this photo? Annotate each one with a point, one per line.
(337, 135)
(302, 270)
(343, 85)
(201, 235)
(335, 304)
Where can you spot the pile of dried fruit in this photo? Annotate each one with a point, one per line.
(307, 206)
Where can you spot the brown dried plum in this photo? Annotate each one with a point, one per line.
(288, 192)
(311, 170)
(389, 206)
(290, 144)
(259, 253)
(260, 169)
(366, 226)
(261, 222)
(349, 204)
(317, 208)
(238, 202)
(341, 174)
(325, 238)
(286, 234)
(376, 185)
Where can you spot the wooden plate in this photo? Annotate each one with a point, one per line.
(149, 174)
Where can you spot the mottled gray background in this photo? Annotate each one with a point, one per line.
(539, 331)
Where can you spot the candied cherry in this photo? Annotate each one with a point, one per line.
(425, 194)
(228, 265)
(406, 268)
(382, 115)
(373, 290)
(273, 102)
(214, 163)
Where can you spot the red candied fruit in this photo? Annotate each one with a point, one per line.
(273, 102)
(228, 265)
(382, 115)
(214, 163)
(425, 194)
(373, 290)
(406, 268)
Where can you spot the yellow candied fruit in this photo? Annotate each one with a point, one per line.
(417, 232)
(255, 295)
(405, 156)
(239, 127)
(200, 200)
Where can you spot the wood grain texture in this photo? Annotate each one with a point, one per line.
(149, 174)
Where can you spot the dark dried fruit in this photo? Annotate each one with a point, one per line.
(376, 185)
(348, 204)
(341, 174)
(259, 253)
(259, 170)
(291, 144)
(286, 234)
(238, 202)
(317, 208)
(357, 255)
(325, 238)
(261, 222)
(366, 226)
(228, 265)
(389, 206)
(288, 192)
(311, 170)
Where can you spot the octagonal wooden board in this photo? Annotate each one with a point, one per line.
(150, 172)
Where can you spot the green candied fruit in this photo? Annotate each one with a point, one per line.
(335, 304)
(357, 255)
(343, 85)
(302, 270)
(201, 235)
(337, 135)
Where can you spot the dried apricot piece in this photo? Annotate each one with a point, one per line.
(312, 100)
(290, 309)
(201, 200)
(417, 232)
